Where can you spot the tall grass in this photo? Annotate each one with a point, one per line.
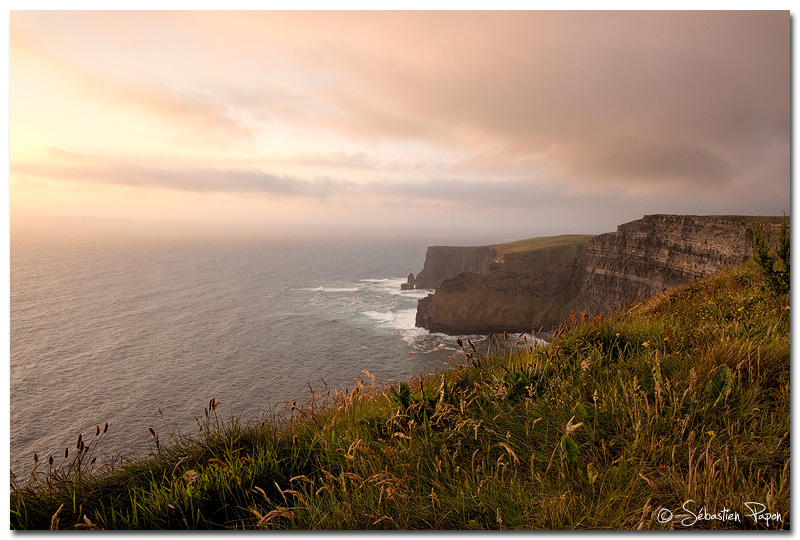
(679, 404)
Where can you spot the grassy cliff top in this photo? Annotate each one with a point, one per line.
(545, 242)
(617, 423)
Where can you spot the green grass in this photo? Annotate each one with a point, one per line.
(683, 397)
(545, 242)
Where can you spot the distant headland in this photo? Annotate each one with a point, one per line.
(534, 284)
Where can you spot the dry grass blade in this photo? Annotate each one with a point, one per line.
(510, 452)
(383, 518)
(301, 477)
(299, 496)
(54, 519)
(278, 512)
(572, 427)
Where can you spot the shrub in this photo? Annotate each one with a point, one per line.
(774, 267)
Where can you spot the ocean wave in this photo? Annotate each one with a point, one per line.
(382, 316)
(415, 293)
(327, 289)
(404, 319)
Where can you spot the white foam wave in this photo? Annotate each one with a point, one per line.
(404, 319)
(415, 293)
(339, 289)
(327, 289)
(382, 316)
(416, 337)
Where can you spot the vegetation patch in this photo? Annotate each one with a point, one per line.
(545, 242)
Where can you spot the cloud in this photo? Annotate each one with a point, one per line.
(670, 162)
(189, 112)
(544, 111)
(68, 166)
(194, 180)
(200, 113)
(701, 89)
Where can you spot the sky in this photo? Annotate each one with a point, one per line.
(469, 124)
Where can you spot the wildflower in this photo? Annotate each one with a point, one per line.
(710, 432)
(190, 477)
(646, 344)
(787, 307)
(617, 334)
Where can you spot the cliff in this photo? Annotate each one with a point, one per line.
(527, 290)
(442, 262)
(646, 256)
(534, 284)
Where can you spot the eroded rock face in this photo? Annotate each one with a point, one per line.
(646, 256)
(537, 290)
(443, 262)
(520, 295)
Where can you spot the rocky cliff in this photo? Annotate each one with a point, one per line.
(651, 254)
(525, 291)
(534, 284)
(442, 262)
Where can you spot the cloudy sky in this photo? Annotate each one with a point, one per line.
(516, 124)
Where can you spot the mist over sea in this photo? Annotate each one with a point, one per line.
(113, 327)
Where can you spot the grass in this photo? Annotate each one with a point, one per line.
(545, 242)
(677, 405)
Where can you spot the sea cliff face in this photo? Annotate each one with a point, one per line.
(651, 254)
(535, 289)
(442, 262)
(525, 291)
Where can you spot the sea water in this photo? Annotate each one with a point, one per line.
(141, 330)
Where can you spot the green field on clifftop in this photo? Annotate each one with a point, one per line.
(545, 242)
(643, 420)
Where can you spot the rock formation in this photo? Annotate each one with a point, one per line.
(442, 262)
(646, 256)
(534, 284)
(525, 291)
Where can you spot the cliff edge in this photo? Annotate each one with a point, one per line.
(533, 284)
(443, 262)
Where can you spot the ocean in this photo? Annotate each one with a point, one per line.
(140, 329)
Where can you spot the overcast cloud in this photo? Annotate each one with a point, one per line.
(527, 113)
